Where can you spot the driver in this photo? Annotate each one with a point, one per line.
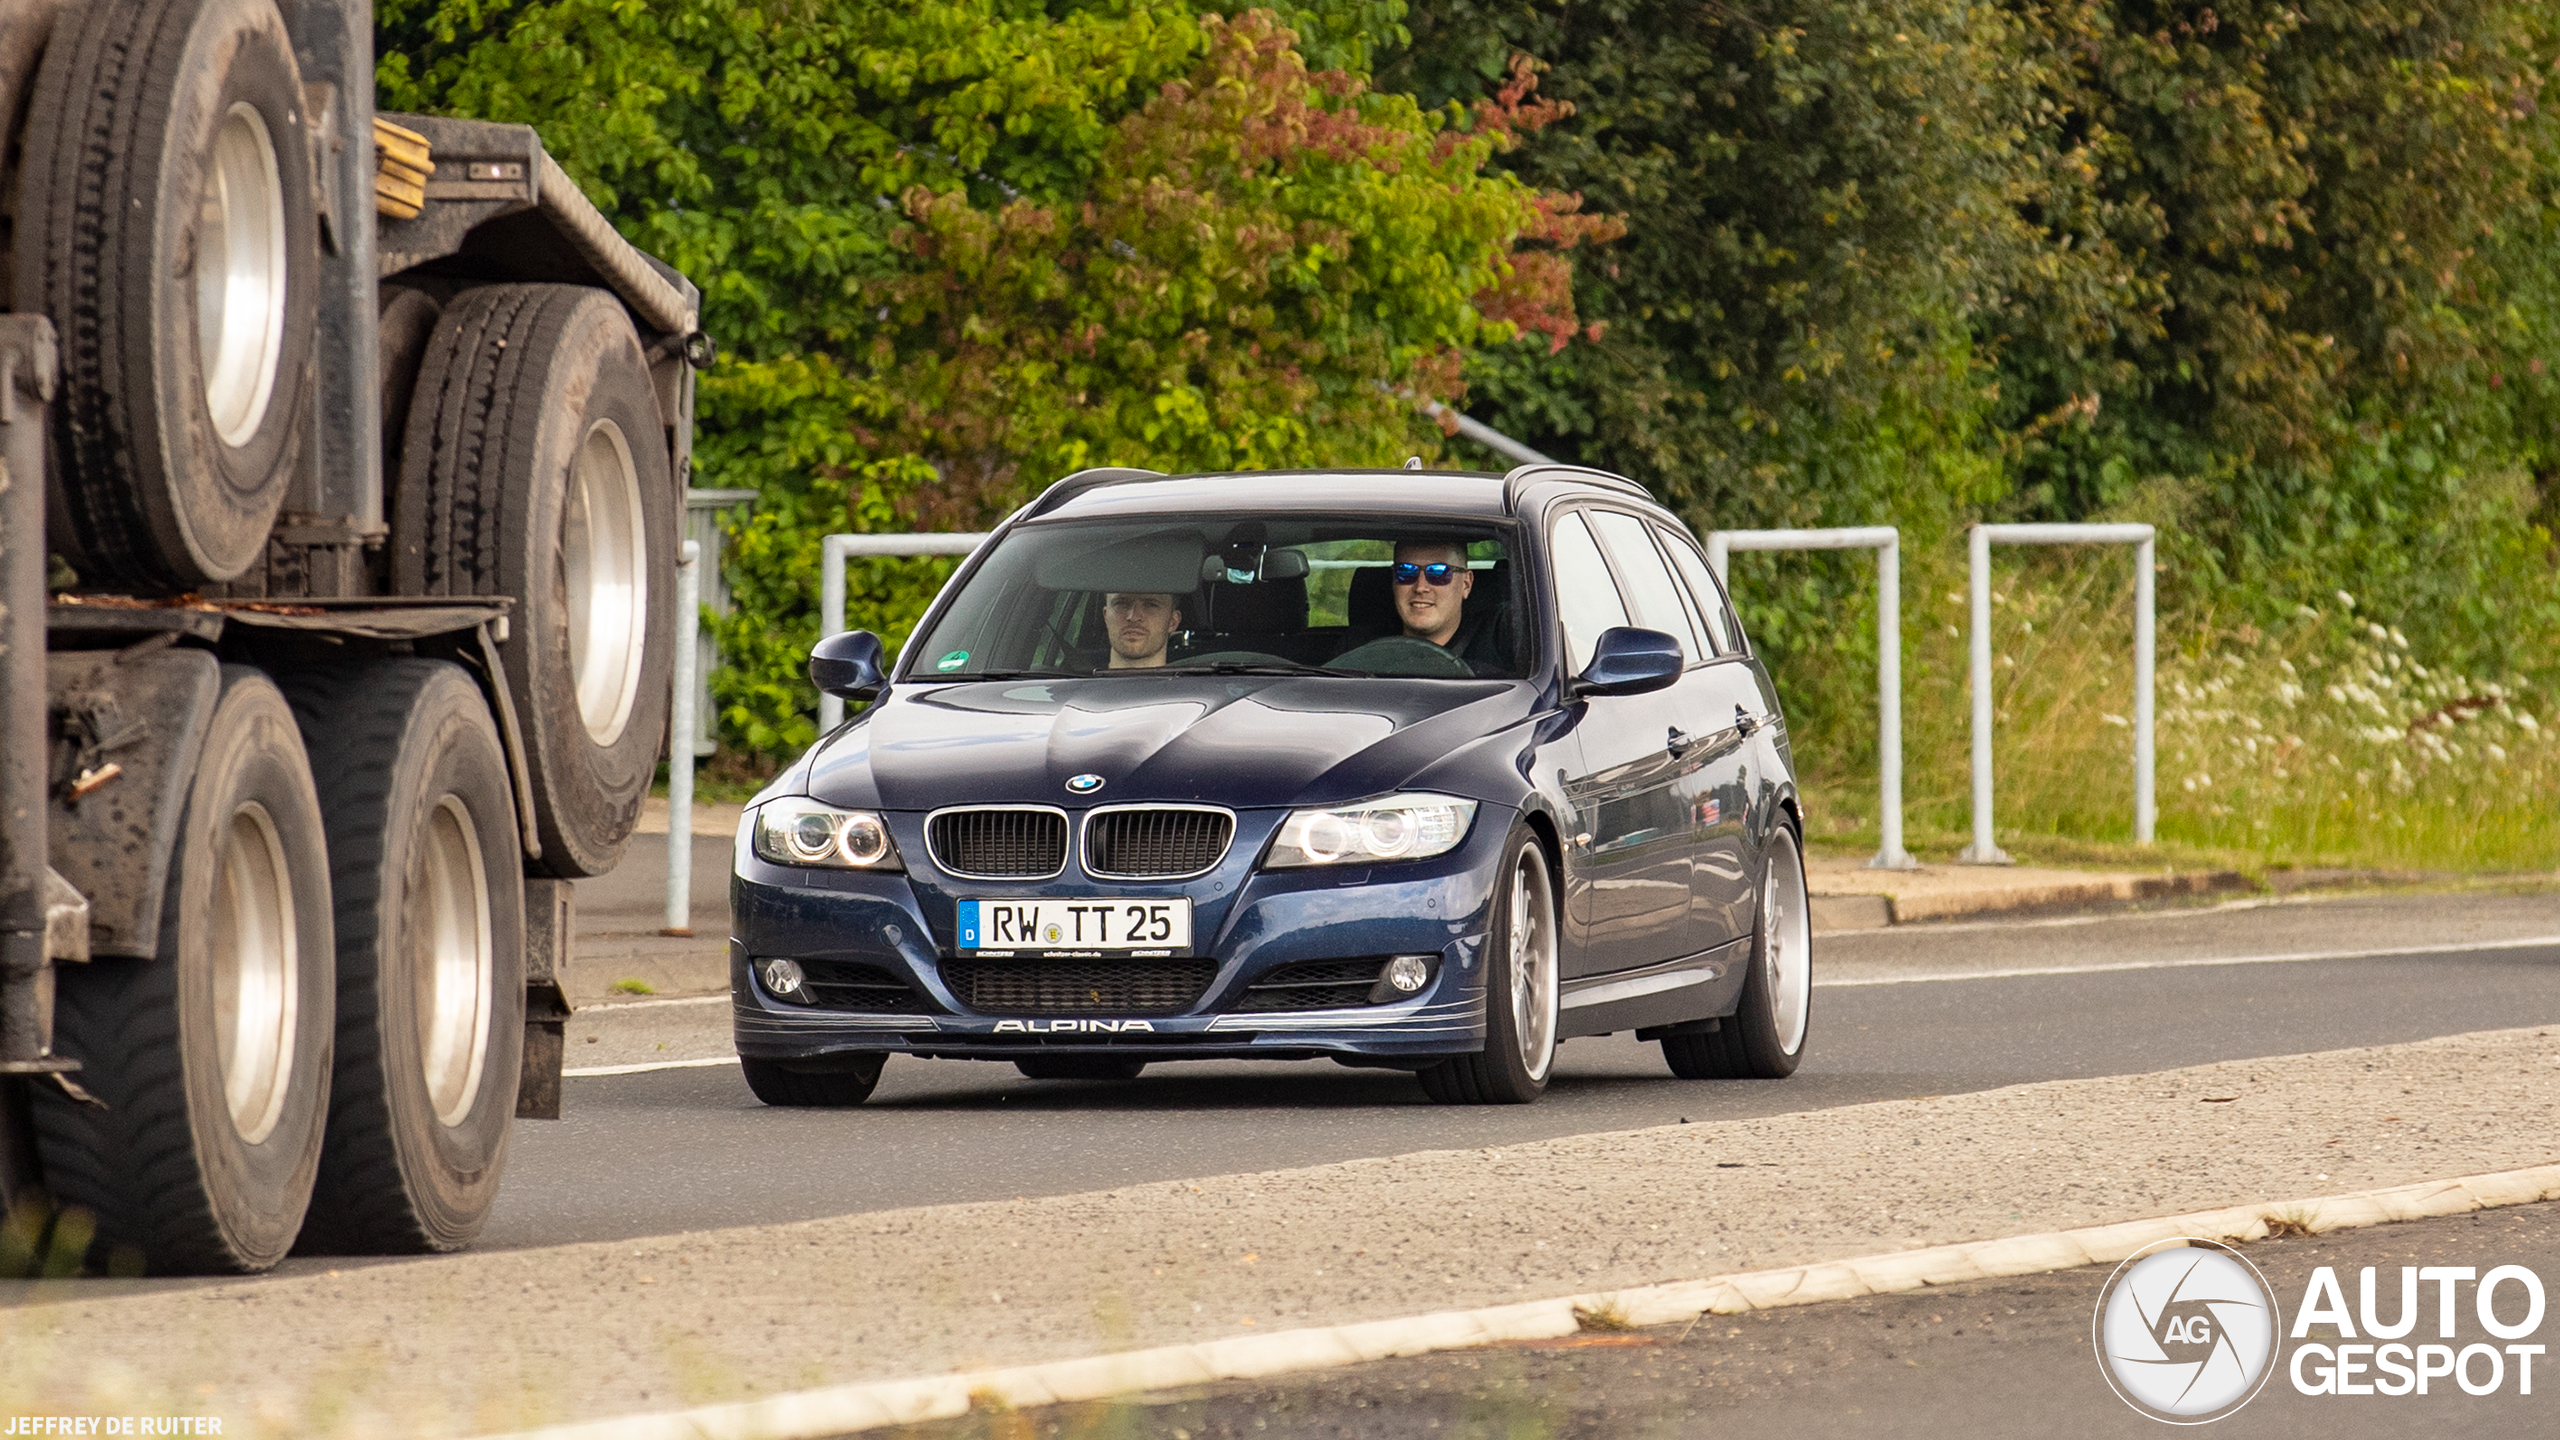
(1431, 584)
(1140, 623)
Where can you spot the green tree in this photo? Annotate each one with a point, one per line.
(956, 249)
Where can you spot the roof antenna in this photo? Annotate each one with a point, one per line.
(1413, 462)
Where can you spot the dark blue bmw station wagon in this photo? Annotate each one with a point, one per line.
(1409, 769)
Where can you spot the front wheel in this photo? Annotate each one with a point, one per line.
(1520, 990)
(1764, 1038)
(842, 1083)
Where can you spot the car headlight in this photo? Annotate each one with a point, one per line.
(1399, 827)
(799, 831)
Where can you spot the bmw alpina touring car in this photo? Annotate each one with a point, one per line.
(1408, 769)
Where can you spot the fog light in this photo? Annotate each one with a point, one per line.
(784, 978)
(1404, 976)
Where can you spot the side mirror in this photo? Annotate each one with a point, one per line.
(849, 666)
(1629, 661)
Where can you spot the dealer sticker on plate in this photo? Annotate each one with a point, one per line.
(1159, 927)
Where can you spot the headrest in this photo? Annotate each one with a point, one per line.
(1267, 607)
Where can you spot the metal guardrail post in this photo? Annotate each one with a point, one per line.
(680, 756)
(2143, 538)
(1886, 541)
(832, 554)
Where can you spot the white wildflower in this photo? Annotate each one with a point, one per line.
(2346, 599)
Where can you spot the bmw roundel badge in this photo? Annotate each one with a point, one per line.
(1084, 784)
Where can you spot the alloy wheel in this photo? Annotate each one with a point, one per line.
(1533, 962)
(256, 992)
(240, 276)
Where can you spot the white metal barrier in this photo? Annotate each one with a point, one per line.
(1982, 851)
(832, 554)
(680, 754)
(1886, 541)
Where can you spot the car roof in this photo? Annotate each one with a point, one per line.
(1453, 494)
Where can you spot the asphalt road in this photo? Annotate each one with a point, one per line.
(1987, 1360)
(1922, 1011)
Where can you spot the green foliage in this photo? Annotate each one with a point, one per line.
(957, 249)
(2278, 275)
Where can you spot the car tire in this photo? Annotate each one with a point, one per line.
(198, 1161)
(842, 1083)
(1080, 1067)
(167, 221)
(426, 870)
(1521, 996)
(534, 464)
(1764, 1038)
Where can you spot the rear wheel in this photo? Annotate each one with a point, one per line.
(1764, 1038)
(425, 868)
(1080, 1067)
(839, 1083)
(166, 220)
(211, 1058)
(1520, 991)
(535, 465)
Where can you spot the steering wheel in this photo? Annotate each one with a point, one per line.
(1405, 655)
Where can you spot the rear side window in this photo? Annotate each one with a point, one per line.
(1650, 591)
(1586, 598)
(1710, 597)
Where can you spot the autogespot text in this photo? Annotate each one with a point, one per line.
(2476, 1334)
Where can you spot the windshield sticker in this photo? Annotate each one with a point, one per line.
(952, 661)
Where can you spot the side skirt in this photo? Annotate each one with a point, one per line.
(1693, 987)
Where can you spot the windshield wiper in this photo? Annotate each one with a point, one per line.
(1253, 667)
(998, 675)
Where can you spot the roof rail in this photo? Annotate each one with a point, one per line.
(1074, 485)
(1520, 476)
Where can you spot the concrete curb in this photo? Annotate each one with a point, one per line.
(864, 1405)
(1843, 911)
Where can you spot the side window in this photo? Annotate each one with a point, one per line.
(1586, 598)
(1650, 590)
(1709, 595)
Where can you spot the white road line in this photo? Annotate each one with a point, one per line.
(2533, 942)
(720, 999)
(704, 1063)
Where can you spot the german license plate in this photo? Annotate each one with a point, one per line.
(1064, 927)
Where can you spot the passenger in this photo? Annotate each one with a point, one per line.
(1141, 624)
(1432, 583)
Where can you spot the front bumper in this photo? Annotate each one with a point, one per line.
(1249, 923)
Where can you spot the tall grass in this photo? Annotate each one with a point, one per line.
(2325, 740)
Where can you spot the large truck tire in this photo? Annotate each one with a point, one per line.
(535, 465)
(424, 867)
(166, 221)
(210, 1059)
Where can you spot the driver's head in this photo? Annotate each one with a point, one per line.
(1431, 584)
(1140, 623)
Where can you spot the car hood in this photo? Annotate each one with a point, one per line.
(1239, 741)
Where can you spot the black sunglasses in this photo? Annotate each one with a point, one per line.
(1406, 572)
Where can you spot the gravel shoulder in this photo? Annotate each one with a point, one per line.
(477, 1342)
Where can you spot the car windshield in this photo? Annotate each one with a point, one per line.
(1235, 594)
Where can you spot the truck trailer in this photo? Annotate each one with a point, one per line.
(342, 458)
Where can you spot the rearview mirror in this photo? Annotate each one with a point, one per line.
(1629, 661)
(849, 665)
